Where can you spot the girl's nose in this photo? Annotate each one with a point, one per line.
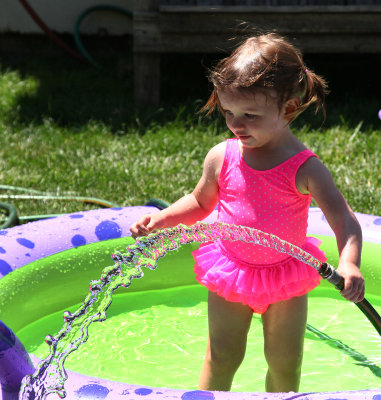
(237, 123)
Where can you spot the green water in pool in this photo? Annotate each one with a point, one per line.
(158, 338)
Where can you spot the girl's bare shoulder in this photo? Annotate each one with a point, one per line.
(313, 174)
(215, 157)
(218, 150)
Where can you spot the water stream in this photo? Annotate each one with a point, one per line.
(50, 375)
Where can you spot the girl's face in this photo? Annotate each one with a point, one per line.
(255, 119)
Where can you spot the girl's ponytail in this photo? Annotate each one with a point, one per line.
(316, 89)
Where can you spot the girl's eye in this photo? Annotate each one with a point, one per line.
(250, 116)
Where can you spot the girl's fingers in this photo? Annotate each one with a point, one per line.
(144, 226)
(354, 290)
(139, 228)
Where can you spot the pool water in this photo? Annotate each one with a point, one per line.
(158, 338)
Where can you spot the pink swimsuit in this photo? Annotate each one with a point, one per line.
(268, 201)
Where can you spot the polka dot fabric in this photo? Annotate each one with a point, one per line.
(269, 201)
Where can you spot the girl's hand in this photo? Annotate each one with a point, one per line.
(354, 286)
(146, 224)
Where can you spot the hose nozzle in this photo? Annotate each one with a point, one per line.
(328, 272)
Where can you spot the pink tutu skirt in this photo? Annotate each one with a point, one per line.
(255, 285)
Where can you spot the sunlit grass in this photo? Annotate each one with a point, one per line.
(165, 162)
(353, 156)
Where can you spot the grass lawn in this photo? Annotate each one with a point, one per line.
(68, 129)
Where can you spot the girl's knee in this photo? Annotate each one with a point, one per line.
(285, 365)
(225, 358)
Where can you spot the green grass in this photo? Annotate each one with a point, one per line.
(67, 128)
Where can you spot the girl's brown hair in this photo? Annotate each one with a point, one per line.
(268, 62)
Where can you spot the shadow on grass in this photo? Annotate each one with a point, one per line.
(71, 92)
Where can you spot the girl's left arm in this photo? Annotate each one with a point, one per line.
(314, 178)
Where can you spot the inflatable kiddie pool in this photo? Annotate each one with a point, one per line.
(46, 267)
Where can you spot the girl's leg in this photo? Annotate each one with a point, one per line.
(284, 324)
(229, 324)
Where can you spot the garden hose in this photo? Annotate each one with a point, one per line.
(11, 212)
(83, 53)
(12, 217)
(82, 16)
(48, 31)
(158, 203)
(328, 272)
(20, 189)
(19, 220)
(90, 200)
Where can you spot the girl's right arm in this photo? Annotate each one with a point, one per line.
(192, 207)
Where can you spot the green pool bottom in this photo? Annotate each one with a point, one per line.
(157, 338)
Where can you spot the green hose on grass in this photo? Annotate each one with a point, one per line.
(13, 219)
(11, 214)
(11, 211)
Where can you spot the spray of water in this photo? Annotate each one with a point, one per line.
(50, 375)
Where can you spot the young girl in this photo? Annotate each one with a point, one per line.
(263, 178)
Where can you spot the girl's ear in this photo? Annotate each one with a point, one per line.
(290, 107)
